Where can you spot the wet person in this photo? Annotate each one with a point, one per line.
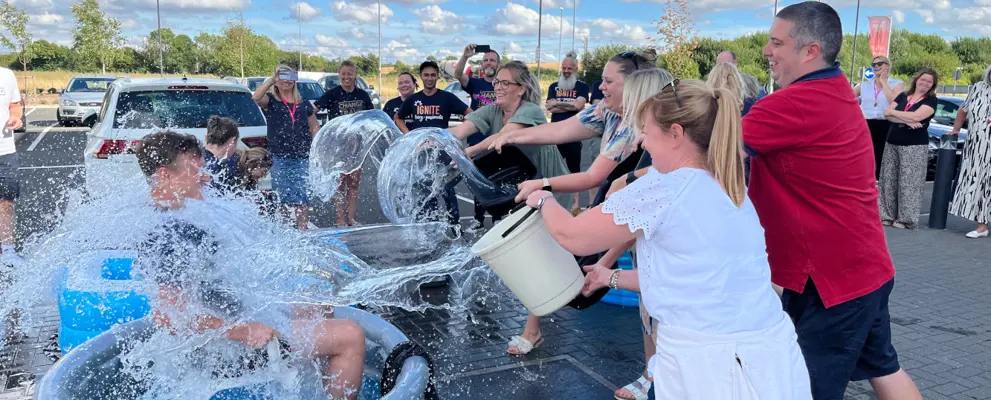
(253, 164)
(702, 267)
(906, 153)
(565, 98)
(346, 99)
(292, 123)
(481, 90)
(812, 183)
(516, 107)
(181, 255)
(407, 85)
(432, 108)
(221, 156)
(10, 190)
(875, 97)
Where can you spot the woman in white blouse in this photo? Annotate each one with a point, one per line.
(875, 95)
(703, 271)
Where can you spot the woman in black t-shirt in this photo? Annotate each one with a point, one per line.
(407, 86)
(903, 165)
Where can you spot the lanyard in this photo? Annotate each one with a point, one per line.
(292, 111)
(909, 103)
(877, 91)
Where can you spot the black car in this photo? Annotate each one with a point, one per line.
(942, 123)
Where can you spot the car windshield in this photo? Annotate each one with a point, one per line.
(331, 80)
(184, 109)
(254, 82)
(310, 90)
(89, 84)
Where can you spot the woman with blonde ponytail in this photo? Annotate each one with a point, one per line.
(702, 266)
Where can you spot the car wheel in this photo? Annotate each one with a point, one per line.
(58, 118)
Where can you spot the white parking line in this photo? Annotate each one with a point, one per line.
(29, 112)
(55, 166)
(38, 139)
(465, 199)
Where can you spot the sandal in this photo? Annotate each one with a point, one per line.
(638, 388)
(522, 345)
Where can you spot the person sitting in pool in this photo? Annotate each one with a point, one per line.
(179, 255)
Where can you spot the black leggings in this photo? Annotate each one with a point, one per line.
(879, 135)
(572, 153)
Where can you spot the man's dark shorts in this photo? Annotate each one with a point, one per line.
(10, 186)
(847, 342)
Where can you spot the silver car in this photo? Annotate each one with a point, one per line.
(82, 98)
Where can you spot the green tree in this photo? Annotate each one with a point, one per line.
(450, 58)
(48, 56)
(130, 60)
(15, 21)
(595, 61)
(158, 48)
(182, 57)
(400, 67)
(242, 52)
(367, 64)
(973, 50)
(205, 52)
(95, 35)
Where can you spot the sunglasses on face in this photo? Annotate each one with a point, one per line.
(632, 56)
(674, 88)
(878, 64)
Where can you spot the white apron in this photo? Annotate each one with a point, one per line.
(764, 365)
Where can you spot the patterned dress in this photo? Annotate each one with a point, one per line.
(972, 199)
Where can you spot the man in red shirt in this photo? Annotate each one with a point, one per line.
(812, 182)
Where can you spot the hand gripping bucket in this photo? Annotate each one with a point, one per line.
(542, 274)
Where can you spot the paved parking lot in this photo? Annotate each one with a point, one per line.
(940, 307)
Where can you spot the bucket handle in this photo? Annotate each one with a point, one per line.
(521, 221)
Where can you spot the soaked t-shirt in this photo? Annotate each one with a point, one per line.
(223, 173)
(289, 128)
(553, 93)
(338, 102)
(391, 107)
(180, 255)
(431, 111)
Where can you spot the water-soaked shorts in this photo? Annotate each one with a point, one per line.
(10, 184)
(290, 180)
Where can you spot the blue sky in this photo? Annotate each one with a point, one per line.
(413, 29)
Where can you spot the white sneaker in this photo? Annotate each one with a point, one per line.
(975, 234)
(12, 259)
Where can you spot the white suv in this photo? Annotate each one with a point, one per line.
(133, 108)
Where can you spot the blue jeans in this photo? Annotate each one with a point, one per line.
(289, 180)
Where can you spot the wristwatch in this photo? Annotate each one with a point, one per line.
(630, 177)
(540, 203)
(547, 185)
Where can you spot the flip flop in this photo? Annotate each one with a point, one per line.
(522, 345)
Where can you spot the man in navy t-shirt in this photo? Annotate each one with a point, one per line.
(479, 89)
(596, 92)
(346, 99)
(565, 98)
(433, 108)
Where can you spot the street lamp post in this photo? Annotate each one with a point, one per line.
(560, 37)
(161, 55)
(380, 43)
(856, 25)
(299, 38)
(574, 15)
(540, 23)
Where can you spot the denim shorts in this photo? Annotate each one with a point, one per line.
(290, 180)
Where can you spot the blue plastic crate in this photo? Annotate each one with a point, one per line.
(69, 338)
(620, 297)
(99, 311)
(117, 268)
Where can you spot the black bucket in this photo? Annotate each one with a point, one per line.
(506, 170)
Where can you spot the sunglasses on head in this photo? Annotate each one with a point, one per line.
(632, 56)
(674, 88)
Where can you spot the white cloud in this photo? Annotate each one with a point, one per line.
(958, 19)
(328, 41)
(435, 20)
(355, 33)
(33, 5)
(515, 19)
(128, 23)
(181, 5)
(898, 16)
(607, 29)
(360, 12)
(406, 39)
(304, 11)
(549, 4)
(514, 47)
(47, 19)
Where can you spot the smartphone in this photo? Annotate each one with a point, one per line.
(288, 76)
(482, 48)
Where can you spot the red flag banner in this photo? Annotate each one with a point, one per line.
(880, 33)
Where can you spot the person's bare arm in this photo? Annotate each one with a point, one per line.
(856, 89)
(909, 117)
(259, 95)
(400, 123)
(314, 126)
(959, 120)
(890, 92)
(567, 131)
(571, 183)
(467, 128)
(459, 68)
(16, 112)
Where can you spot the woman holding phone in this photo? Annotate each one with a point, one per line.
(292, 123)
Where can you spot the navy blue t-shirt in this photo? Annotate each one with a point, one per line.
(431, 111)
(223, 174)
(287, 138)
(339, 102)
(481, 91)
(553, 93)
(596, 92)
(392, 107)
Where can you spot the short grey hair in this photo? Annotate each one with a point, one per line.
(815, 22)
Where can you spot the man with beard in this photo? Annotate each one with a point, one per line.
(482, 93)
(565, 98)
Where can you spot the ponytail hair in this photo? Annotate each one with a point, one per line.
(710, 118)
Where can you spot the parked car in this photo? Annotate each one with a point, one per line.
(455, 88)
(133, 108)
(942, 122)
(331, 80)
(82, 99)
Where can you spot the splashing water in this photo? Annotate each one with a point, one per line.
(268, 268)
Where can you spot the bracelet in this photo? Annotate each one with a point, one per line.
(614, 279)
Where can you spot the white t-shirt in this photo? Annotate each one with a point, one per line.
(702, 260)
(9, 94)
(869, 95)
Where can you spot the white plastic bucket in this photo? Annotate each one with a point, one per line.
(542, 274)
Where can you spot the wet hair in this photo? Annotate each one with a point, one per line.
(220, 130)
(630, 61)
(295, 88)
(726, 75)
(637, 88)
(416, 84)
(429, 64)
(521, 74)
(711, 119)
(915, 78)
(163, 148)
(815, 22)
(250, 159)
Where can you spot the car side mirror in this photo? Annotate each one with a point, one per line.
(371, 87)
